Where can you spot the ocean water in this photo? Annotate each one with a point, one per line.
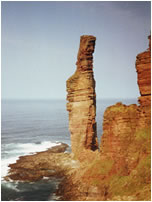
(33, 126)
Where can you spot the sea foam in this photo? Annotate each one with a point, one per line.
(13, 151)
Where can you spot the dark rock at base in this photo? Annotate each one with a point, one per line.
(59, 148)
(51, 163)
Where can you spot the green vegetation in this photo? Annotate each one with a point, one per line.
(97, 170)
(137, 184)
(100, 168)
(113, 184)
(143, 135)
(119, 107)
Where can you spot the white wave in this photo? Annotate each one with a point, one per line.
(13, 151)
(4, 165)
(33, 148)
(28, 147)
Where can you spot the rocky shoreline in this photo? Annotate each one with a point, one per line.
(54, 162)
(94, 178)
(121, 170)
(57, 163)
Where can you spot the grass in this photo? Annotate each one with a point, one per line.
(137, 184)
(117, 186)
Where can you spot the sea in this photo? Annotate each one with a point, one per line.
(30, 126)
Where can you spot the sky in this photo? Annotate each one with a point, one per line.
(40, 41)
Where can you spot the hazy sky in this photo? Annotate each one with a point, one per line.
(40, 41)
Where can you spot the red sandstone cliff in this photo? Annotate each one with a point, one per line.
(121, 170)
(82, 99)
(126, 129)
(143, 67)
(121, 121)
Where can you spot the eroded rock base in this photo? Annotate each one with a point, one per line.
(51, 163)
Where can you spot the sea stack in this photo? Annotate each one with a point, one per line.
(82, 99)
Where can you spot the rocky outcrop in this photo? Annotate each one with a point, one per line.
(120, 121)
(143, 67)
(121, 171)
(119, 126)
(47, 164)
(82, 99)
(126, 138)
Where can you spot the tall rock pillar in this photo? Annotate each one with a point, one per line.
(82, 99)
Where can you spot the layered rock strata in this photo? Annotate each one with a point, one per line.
(121, 122)
(82, 99)
(119, 126)
(121, 170)
(143, 68)
(126, 138)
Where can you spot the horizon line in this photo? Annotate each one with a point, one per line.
(45, 99)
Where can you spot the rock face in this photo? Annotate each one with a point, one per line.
(82, 99)
(143, 67)
(126, 138)
(123, 121)
(121, 171)
(119, 126)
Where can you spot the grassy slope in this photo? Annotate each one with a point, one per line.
(112, 184)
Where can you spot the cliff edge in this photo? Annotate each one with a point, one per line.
(121, 171)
